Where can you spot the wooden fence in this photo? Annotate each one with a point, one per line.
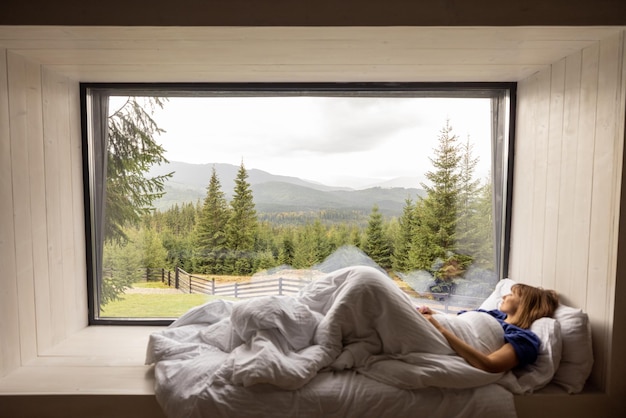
(188, 283)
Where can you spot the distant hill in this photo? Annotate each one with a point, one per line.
(276, 194)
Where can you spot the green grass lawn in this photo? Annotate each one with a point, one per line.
(152, 305)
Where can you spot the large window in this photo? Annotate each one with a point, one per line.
(206, 191)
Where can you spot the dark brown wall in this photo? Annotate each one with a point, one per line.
(313, 12)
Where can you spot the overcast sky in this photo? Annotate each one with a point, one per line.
(336, 141)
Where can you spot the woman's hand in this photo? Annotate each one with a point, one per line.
(428, 314)
(424, 310)
(501, 360)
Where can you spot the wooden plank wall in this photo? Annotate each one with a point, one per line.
(566, 195)
(42, 250)
(9, 329)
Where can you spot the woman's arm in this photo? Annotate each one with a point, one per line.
(501, 360)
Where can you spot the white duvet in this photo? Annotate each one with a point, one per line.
(352, 319)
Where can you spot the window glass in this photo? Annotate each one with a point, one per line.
(214, 193)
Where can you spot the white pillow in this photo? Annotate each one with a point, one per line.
(535, 376)
(576, 356)
(493, 301)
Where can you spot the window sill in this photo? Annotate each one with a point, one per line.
(104, 365)
(98, 360)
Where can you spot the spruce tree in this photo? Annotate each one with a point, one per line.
(376, 244)
(484, 252)
(407, 230)
(210, 244)
(241, 229)
(132, 151)
(306, 248)
(287, 250)
(467, 232)
(153, 252)
(436, 237)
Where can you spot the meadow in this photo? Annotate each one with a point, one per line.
(152, 300)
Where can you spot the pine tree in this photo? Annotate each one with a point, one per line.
(153, 252)
(376, 244)
(436, 237)
(467, 233)
(210, 238)
(407, 230)
(241, 229)
(132, 150)
(122, 266)
(484, 253)
(286, 252)
(305, 252)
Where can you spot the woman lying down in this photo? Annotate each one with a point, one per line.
(354, 318)
(516, 313)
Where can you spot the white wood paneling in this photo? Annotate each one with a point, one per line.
(34, 141)
(567, 177)
(522, 186)
(540, 129)
(618, 303)
(19, 70)
(77, 305)
(573, 204)
(584, 175)
(605, 202)
(42, 288)
(57, 158)
(553, 175)
(9, 326)
(283, 54)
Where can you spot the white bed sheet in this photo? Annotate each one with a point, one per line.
(351, 344)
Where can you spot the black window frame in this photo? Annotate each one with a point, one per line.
(503, 129)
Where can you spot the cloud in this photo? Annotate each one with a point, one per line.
(319, 138)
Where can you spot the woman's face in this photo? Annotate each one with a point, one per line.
(510, 303)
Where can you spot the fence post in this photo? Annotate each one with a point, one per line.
(212, 285)
(162, 274)
(280, 286)
(236, 288)
(176, 274)
(190, 278)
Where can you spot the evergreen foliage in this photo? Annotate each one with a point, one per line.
(242, 225)
(441, 234)
(211, 240)
(123, 264)
(468, 231)
(376, 243)
(404, 238)
(132, 150)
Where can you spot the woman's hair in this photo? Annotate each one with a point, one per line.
(534, 303)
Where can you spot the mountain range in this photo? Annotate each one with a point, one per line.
(277, 194)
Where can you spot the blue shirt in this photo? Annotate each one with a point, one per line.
(525, 342)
